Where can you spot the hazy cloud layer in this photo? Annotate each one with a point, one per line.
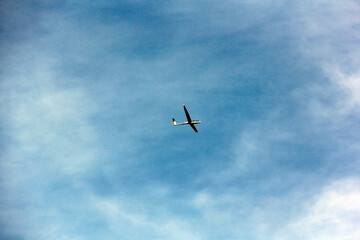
(87, 94)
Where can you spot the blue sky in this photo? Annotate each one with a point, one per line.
(88, 90)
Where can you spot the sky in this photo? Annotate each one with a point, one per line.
(88, 90)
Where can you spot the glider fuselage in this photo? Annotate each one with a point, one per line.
(190, 122)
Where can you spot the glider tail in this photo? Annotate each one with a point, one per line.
(174, 122)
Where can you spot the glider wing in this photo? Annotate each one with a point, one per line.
(193, 126)
(187, 114)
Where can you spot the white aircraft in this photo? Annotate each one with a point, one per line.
(189, 121)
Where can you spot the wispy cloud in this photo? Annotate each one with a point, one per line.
(89, 89)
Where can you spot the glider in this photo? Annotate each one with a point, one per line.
(189, 121)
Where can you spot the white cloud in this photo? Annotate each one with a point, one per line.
(257, 144)
(135, 219)
(349, 85)
(333, 214)
(326, 29)
(326, 34)
(50, 142)
(50, 122)
(332, 102)
(257, 148)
